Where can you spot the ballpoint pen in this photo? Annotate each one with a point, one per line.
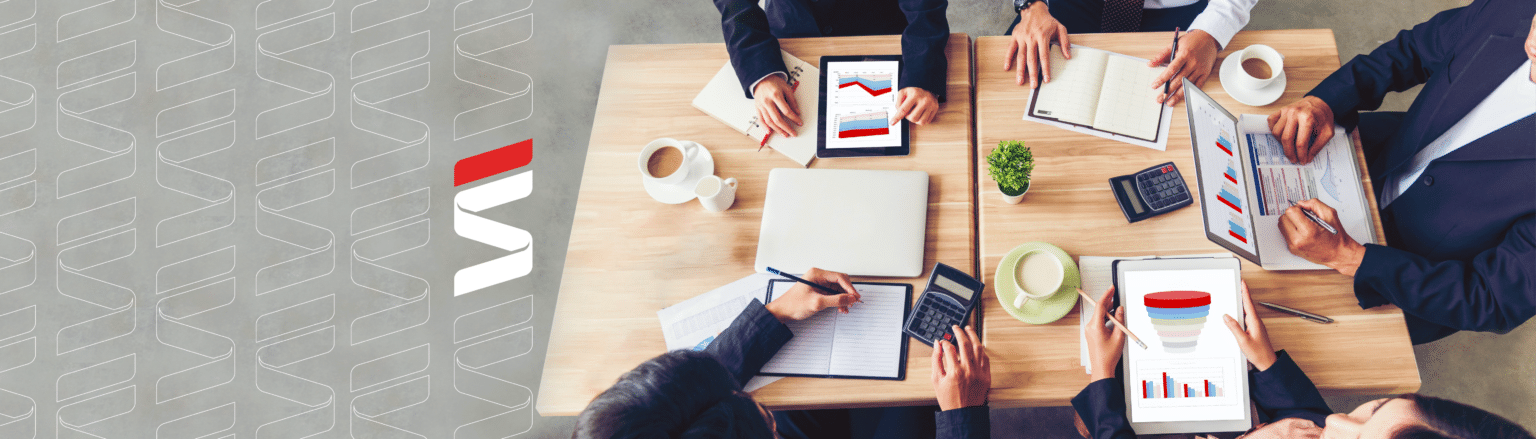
(819, 288)
(1297, 313)
(1172, 54)
(1317, 220)
(1112, 318)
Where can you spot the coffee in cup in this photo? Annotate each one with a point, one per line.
(1257, 68)
(1037, 276)
(1261, 66)
(666, 161)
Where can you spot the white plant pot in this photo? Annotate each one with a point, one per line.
(1014, 199)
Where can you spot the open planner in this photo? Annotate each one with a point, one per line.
(1103, 92)
(722, 99)
(866, 343)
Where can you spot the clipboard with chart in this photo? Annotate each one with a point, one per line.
(866, 343)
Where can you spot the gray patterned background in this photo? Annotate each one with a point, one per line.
(234, 218)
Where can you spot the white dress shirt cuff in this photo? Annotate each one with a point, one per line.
(760, 80)
(1219, 28)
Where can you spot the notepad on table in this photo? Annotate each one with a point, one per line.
(865, 343)
(1102, 91)
(722, 99)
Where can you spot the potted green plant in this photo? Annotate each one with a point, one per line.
(1010, 165)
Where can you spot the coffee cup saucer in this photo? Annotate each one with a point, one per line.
(1041, 311)
(682, 192)
(1230, 71)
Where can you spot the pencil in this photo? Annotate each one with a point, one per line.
(818, 287)
(1112, 319)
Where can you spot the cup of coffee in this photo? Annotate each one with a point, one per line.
(1261, 66)
(1037, 276)
(666, 160)
(715, 194)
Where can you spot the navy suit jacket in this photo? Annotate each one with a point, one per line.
(756, 335)
(1463, 236)
(751, 34)
(1282, 391)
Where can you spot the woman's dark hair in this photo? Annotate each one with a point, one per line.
(1446, 419)
(680, 394)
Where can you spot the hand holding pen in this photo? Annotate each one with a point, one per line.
(807, 298)
(1312, 230)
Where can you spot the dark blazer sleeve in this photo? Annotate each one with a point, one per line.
(1102, 407)
(750, 341)
(964, 423)
(1493, 291)
(754, 50)
(924, 64)
(1405, 61)
(1284, 391)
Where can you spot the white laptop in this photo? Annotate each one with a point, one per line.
(864, 223)
(1246, 183)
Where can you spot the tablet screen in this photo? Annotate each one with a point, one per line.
(1223, 180)
(861, 99)
(1192, 369)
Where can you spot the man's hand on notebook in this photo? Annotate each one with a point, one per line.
(1304, 128)
(916, 105)
(1030, 49)
(1254, 341)
(1311, 241)
(1195, 60)
(776, 106)
(962, 373)
(801, 301)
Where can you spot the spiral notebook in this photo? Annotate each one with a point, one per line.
(865, 343)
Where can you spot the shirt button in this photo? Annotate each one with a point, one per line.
(1429, 180)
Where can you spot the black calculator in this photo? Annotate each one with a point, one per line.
(1153, 191)
(948, 300)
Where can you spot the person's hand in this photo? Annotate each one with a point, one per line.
(1310, 241)
(1303, 128)
(1530, 48)
(1254, 341)
(1195, 60)
(915, 105)
(801, 301)
(962, 374)
(776, 107)
(1105, 343)
(1030, 49)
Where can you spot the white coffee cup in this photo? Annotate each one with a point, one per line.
(715, 194)
(690, 151)
(1263, 53)
(1037, 276)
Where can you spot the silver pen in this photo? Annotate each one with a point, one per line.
(1317, 220)
(1297, 313)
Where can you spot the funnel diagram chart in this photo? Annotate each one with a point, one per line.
(1178, 317)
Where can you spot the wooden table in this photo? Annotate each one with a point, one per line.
(1069, 204)
(631, 256)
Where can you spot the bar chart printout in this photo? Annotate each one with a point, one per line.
(874, 123)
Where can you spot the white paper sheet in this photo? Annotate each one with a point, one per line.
(866, 342)
(695, 322)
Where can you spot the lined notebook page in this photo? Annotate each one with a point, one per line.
(1128, 102)
(1072, 96)
(869, 337)
(866, 342)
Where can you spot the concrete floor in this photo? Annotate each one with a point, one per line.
(1491, 371)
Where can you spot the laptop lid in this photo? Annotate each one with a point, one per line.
(864, 223)
(1222, 174)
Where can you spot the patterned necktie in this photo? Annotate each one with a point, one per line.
(1121, 16)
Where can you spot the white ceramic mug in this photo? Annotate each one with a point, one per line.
(1040, 279)
(1262, 53)
(690, 151)
(715, 194)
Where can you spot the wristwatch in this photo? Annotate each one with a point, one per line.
(1020, 5)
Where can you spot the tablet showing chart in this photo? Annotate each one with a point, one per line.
(860, 99)
(1222, 177)
(1193, 369)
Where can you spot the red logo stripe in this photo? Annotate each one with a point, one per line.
(493, 162)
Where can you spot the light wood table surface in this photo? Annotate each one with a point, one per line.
(631, 256)
(1069, 204)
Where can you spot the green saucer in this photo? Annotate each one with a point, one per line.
(1037, 312)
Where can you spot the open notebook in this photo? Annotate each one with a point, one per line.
(1101, 91)
(722, 100)
(866, 343)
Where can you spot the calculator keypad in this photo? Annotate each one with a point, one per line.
(1162, 187)
(934, 318)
